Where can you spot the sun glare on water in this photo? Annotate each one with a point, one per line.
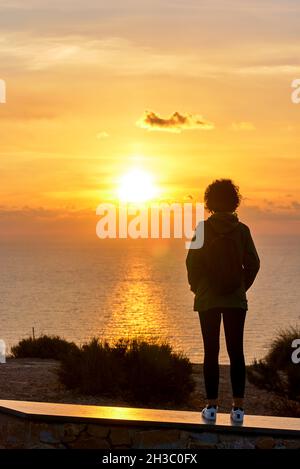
(137, 186)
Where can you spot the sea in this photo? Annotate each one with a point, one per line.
(114, 289)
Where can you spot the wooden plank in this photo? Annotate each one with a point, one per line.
(140, 416)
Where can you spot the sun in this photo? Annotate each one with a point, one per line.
(137, 186)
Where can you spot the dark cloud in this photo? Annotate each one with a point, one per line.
(176, 123)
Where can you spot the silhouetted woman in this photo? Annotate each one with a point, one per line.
(220, 273)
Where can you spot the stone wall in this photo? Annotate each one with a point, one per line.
(22, 433)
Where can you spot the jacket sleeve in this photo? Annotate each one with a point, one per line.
(194, 265)
(251, 261)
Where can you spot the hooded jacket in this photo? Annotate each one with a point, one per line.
(205, 296)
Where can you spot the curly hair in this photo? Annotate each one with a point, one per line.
(222, 195)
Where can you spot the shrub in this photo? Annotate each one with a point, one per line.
(91, 369)
(281, 349)
(264, 376)
(139, 371)
(43, 347)
(277, 372)
(154, 369)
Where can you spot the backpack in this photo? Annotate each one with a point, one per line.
(223, 263)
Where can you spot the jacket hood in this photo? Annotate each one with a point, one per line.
(223, 222)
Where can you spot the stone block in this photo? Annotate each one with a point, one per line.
(224, 445)
(279, 446)
(243, 443)
(98, 431)
(266, 442)
(211, 438)
(228, 437)
(85, 441)
(71, 431)
(120, 436)
(197, 444)
(16, 437)
(49, 433)
(162, 439)
(3, 433)
(292, 444)
(49, 437)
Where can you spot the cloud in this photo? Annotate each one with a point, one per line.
(237, 126)
(36, 50)
(272, 211)
(28, 52)
(175, 123)
(102, 135)
(290, 69)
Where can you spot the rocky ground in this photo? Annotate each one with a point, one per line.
(36, 380)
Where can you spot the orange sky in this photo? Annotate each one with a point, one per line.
(81, 75)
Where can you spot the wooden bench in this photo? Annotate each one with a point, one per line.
(185, 420)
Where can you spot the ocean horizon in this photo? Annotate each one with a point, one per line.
(112, 289)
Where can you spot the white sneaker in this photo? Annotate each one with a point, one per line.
(210, 413)
(237, 414)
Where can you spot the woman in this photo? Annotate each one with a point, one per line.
(219, 274)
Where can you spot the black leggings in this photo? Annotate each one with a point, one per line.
(233, 319)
